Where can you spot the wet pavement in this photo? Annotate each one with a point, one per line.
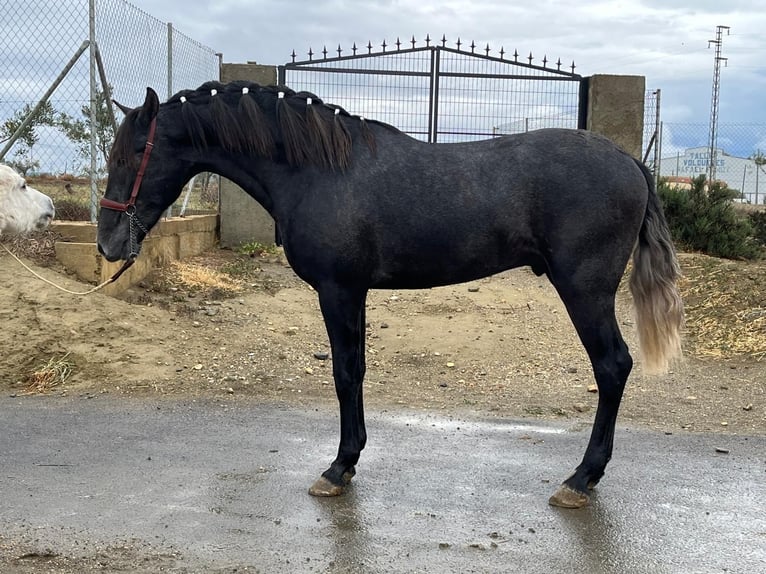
(222, 487)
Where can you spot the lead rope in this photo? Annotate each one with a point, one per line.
(112, 279)
(133, 222)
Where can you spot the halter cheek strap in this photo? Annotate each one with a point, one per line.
(125, 207)
(129, 207)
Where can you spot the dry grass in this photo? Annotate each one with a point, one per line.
(725, 307)
(37, 246)
(196, 277)
(49, 376)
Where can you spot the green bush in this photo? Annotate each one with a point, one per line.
(704, 220)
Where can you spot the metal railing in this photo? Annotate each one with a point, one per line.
(440, 93)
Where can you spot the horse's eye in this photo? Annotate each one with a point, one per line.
(23, 185)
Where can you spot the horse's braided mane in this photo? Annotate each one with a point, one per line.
(238, 117)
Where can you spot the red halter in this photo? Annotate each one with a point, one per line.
(116, 205)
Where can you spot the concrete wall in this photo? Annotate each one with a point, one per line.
(171, 239)
(616, 110)
(243, 220)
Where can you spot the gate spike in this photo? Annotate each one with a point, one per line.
(324, 52)
(473, 46)
(459, 43)
(428, 40)
(369, 47)
(398, 44)
(545, 60)
(515, 55)
(530, 58)
(487, 49)
(384, 45)
(558, 64)
(354, 49)
(293, 56)
(444, 40)
(340, 51)
(573, 66)
(413, 41)
(311, 53)
(502, 53)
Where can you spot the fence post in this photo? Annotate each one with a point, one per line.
(170, 59)
(616, 109)
(658, 143)
(93, 140)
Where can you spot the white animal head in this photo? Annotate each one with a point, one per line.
(22, 208)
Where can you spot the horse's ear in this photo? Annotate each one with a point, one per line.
(124, 109)
(151, 106)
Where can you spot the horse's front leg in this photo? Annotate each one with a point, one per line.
(343, 311)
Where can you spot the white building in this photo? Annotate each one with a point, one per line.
(739, 173)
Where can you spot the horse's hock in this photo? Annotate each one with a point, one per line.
(171, 239)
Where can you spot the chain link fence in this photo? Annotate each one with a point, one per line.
(740, 156)
(61, 63)
(651, 129)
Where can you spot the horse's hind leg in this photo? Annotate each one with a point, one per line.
(592, 312)
(344, 316)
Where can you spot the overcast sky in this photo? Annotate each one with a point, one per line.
(664, 40)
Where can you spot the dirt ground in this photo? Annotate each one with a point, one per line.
(242, 327)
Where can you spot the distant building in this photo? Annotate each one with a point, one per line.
(738, 173)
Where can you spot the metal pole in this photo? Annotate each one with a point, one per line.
(93, 118)
(431, 97)
(170, 59)
(437, 66)
(106, 89)
(657, 133)
(33, 113)
(169, 212)
(659, 158)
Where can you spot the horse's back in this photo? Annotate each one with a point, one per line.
(428, 215)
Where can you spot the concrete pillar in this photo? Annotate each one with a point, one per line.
(243, 220)
(616, 110)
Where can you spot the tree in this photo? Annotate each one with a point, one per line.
(78, 130)
(22, 158)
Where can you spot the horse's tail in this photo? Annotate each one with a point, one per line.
(659, 308)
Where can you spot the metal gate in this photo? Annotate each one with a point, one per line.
(446, 94)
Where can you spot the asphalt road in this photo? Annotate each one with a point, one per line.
(221, 486)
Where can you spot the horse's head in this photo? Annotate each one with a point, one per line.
(22, 208)
(145, 177)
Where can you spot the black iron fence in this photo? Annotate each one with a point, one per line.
(439, 93)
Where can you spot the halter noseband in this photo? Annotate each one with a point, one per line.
(129, 207)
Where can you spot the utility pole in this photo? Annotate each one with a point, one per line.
(714, 100)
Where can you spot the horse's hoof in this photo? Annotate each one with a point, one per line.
(323, 487)
(566, 497)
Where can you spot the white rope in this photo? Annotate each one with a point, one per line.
(33, 272)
